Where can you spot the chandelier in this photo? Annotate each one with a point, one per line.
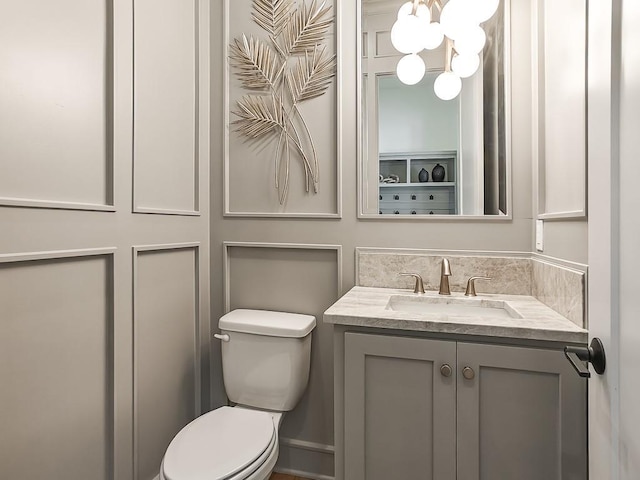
(458, 26)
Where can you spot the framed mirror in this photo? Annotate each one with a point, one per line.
(421, 156)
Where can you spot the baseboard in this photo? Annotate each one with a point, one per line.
(311, 455)
(311, 446)
(306, 459)
(294, 473)
(298, 473)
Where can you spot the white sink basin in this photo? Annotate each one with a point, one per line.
(443, 306)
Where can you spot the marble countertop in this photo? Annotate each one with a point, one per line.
(368, 307)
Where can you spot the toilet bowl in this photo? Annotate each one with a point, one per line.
(265, 363)
(229, 443)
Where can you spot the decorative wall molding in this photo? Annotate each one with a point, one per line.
(79, 255)
(165, 246)
(540, 116)
(198, 50)
(436, 251)
(226, 262)
(108, 206)
(559, 262)
(136, 251)
(32, 203)
(165, 211)
(228, 211)
(559, 216)
(56, 254)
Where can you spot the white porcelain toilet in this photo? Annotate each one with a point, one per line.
(265, 365)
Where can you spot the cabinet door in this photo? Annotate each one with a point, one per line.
(399, 408)
(522, 416)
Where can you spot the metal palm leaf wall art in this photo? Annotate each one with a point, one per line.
(292, 66)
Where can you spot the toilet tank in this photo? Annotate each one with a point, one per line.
(265, 363)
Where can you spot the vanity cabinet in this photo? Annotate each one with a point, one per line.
(410, 411)
(399, 410)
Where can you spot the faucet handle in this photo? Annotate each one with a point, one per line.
(419, 288)
(471, 285)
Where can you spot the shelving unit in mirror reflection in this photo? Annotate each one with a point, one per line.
(410, 196)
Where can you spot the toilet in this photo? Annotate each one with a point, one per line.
(265, 365)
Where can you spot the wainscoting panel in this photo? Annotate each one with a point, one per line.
(56, 355)
(299, 278)
(166, 82)
(166, 349)
(56, 104)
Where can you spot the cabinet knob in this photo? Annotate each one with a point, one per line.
(468, 373)
(396, 197)
(430, 197)
(413, 197)
(446, 370)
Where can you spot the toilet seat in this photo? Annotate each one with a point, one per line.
(225, 444)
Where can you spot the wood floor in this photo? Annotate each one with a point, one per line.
(282, 476)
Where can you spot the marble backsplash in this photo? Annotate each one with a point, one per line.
(563, 289)
(559, 287)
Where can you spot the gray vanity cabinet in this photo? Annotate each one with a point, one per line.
(400, 411)
(516, 413)
(522, 416)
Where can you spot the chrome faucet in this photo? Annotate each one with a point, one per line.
(445, 273)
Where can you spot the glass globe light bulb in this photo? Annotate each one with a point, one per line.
(471, 41)
(424, 19)
(432, 36)
(411, 69)
(405, 34)
(464, 65)
(447, 86)
(484, 9)
(405, 10)
(423, 12)
(455, 18)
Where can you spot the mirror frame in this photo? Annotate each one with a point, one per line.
(363, 188)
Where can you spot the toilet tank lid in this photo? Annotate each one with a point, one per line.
(265, 322)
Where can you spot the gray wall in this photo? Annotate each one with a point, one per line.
(270, 270)
(104, 237)
(565, 239)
